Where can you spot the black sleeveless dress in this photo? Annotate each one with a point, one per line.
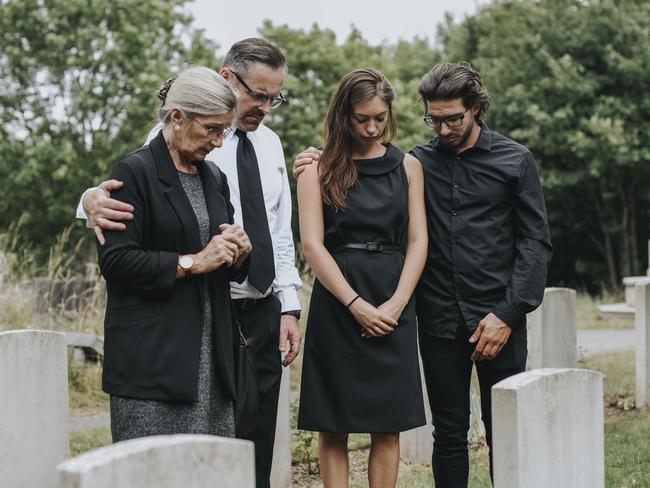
(349, 383)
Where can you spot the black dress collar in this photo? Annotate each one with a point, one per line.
(381, 164)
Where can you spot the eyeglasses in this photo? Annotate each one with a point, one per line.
(215, 132)
(260, 98)
(451, 121)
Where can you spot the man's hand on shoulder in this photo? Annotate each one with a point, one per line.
(491, 335)
(308, 156)
(104, 212)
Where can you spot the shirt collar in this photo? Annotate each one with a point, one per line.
(484, 139)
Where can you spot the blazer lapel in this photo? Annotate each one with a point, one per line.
(175, 194)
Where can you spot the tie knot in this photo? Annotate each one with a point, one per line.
(240, 133)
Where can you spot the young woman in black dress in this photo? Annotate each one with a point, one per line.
(364, 235)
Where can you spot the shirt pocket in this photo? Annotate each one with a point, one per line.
(131, 314)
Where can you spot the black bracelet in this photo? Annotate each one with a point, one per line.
(351, 301)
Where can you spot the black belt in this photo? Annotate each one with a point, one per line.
(368, 247)
(249, 303)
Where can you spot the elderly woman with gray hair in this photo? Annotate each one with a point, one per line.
(170, 341)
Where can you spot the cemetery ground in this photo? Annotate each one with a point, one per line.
(627, 452)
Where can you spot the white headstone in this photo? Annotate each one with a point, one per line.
(416, 445)
(187, 461)
(552, 331)
(548, 430)
(281, 467)
(34, 434)
(642, 349)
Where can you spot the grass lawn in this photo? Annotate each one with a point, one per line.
(627, 450)
(85, 389)
(81, 442)
(588, 318)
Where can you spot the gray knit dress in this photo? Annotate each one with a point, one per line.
(213, 412)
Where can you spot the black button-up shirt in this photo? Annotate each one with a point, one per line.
(489, 241)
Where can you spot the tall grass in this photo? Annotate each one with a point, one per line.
(24, 305)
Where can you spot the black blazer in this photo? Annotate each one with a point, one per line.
(153, 321)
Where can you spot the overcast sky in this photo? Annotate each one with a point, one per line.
(378, 20)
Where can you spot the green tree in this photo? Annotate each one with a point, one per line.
(77, 92)
(569, 79)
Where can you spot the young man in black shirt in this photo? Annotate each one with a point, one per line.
(489, 250)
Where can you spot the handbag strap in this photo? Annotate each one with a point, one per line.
(243, 340)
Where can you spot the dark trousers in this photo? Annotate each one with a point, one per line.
(448, 371)
(262, 321)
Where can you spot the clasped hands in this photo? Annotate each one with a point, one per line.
(376, 321)
(227, 248)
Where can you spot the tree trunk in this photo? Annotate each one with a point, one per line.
(626, 264)
(634, 237)
(607, 243)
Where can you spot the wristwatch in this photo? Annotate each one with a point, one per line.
(294, 313)
(186, 262)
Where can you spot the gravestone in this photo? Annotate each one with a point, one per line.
(626, 308)
(552, 331)
(642, 342)
(86, 347)
(416, 445)
(281, 467)
(187, 461)
(548, 430)
(33, 407)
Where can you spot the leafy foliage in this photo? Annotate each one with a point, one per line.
(76, 94)
(568, 78)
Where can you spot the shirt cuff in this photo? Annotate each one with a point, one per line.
(288, 299)
(509, 313)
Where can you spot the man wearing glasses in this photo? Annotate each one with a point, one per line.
(266, 304)
(489, 250)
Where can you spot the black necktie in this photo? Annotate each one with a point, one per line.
(261, 269)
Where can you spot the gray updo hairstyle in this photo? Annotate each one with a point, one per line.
(196, 91)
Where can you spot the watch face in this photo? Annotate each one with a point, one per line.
(186, 262)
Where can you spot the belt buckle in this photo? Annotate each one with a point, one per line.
(374, 247)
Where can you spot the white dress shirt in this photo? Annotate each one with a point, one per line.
(277, 199)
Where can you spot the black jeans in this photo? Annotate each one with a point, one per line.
(447, 371)
(263, 323)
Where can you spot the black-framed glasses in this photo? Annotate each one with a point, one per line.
(215, 132)
(451, 121)
(261, 98)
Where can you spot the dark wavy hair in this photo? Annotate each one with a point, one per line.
(448, 81)
(246, 52)
(338, 173)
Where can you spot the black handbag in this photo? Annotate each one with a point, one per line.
(247, 404)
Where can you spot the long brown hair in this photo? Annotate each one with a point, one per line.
(338, 173)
